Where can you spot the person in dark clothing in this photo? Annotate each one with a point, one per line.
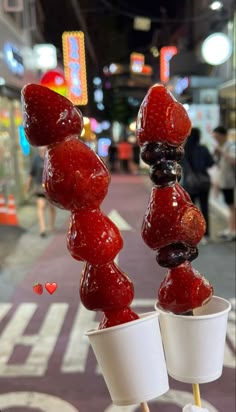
(35, 175)
(112, 157)
(136, 157)
(125, 155)
(199, 159)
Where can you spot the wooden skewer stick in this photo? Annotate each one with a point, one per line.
(144, 407)
(196, 394)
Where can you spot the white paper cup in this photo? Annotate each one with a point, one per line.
(194, 345)
(131, 358)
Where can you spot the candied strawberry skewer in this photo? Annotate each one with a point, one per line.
(172, 225)
(76, 179)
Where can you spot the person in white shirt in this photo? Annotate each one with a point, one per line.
(225, 156)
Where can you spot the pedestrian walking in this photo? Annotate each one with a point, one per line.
(125, 155)
(196, 179)
(225, 157)
(112, 157)
(35, 177)
(136, 157)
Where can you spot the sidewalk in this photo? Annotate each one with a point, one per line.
(21, 246)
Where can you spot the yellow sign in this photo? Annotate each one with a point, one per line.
(75, 67)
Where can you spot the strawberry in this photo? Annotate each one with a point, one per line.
(113, 318)
(74, 176)
(38, 288)
(48, 116)
(161, 118)
(184, 289)
(105, 287)
(93, 237)
(171, 218)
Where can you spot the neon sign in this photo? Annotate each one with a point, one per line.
(166, 54)
(136, 62)
(75, 67)
(14, 59)
(24, 144)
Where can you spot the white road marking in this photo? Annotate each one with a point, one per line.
(42, 343)
(76, 353)
(119, 221)
(4, 309)
(42, 401)
(50, 403)
(175, 397)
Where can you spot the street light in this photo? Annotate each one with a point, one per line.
(216, 49)
(216, 5)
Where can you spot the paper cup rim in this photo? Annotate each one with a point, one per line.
(143, 317)
(197, 317)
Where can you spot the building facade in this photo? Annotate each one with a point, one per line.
(16, 70)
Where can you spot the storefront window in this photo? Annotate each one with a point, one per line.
(6, 159)
(14, 163)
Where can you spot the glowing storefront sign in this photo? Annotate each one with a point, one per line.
(24, 144)
(75, 67)
(13, 59)
(166, 54)
(103, 145)
(136, 62)
(216, 49)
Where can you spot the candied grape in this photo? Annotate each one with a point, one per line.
(154, 151)
(164, 172)
(176, 253)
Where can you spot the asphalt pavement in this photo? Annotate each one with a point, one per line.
(46, 364)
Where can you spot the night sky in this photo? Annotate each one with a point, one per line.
(110, 25)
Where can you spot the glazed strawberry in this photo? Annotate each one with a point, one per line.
(105, 288)
(74, 176)
(118, 317)
(184, 289)
(38, 288)
(171, 218)
(93, 237)
(161, 118)
(48, 117)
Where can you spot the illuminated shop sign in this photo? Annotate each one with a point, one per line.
(136, 62)
(75, 67)
(24, 144)
(103, 145)
(166, 54)
(13, 59)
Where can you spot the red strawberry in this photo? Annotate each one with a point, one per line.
(93, 237)
(105, 288)
(74, 176)
(171, 218)
(184, 289)
(113, 318)
(48, 116)
(161, 118)
(38, 288)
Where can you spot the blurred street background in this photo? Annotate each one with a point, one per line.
(46, 363)
(44, 352)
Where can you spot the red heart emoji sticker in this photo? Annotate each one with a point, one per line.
(51, 287)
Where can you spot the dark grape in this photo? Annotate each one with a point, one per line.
(164, 172)
(151, 152)
(176, 253)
